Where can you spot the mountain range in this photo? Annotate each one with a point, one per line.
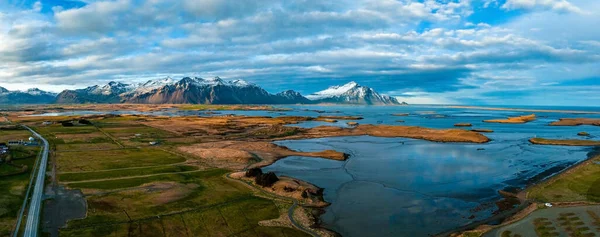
(31, 96)
(197, 90)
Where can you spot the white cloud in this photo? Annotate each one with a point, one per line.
(37, 6)
(301, 42)
(556, 5)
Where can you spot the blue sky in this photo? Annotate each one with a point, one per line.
(499, 52)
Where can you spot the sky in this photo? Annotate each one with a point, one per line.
(474, 52)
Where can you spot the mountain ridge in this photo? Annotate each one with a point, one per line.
(352, 93)
(29, 96)
(196, 90)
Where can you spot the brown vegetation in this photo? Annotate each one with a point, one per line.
(245, 127)
(463, 125)
(437, 135)
(240, 154)
(576, 122)
(543, 141)
(520, 119)
(339, 117)
(307, 193)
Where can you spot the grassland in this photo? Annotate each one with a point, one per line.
(581, 183)
(7, 135)
(14, 178)
(134, 189)
(79, 176)
(229, 219)
(114, 159)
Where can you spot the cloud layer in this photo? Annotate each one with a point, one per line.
(430, 51)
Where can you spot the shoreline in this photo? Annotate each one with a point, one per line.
(522, 210)
(314, 225)
(522, 110)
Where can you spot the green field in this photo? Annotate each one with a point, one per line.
(13, 181)
(582, 183)
(6, 135)
(212, 207)
(114, 159)
(236, 218)
(79, 176)
(133, 182)
(128, 185)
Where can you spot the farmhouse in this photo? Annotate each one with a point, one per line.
(30, 142)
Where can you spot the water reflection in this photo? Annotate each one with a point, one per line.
(405, 187)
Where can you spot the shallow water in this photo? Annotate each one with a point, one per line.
(407, 187)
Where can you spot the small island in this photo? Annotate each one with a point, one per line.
(559, 142)
(513, 120)
(463, 125)
(576, 122)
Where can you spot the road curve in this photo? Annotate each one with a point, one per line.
(296, 224)
(35, 207)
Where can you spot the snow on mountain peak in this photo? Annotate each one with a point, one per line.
(110, 88)
(351, 93)
(240, 82)
(214, 80)
(334, 91)
(157, 83)
(34, 91)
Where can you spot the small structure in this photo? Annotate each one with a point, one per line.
(31, 142)
(15, 142)
(3, 148)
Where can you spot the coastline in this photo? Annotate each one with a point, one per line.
(522, 211)
(312, 227)
(522, 110)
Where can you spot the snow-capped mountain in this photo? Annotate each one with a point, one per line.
(196, 90)
(149, 86)
(352, 93)
(292, 97)
(111, 88)
(204, 91)
(187, 90)
(109, 93)
(30, 96)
